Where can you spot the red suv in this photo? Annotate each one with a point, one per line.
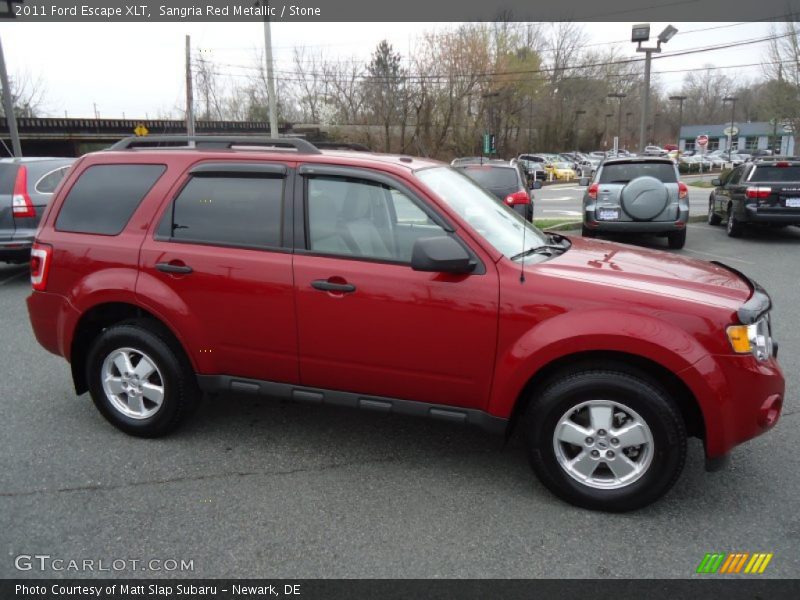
(398, 285)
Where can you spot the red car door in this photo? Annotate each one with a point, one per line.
(220, 271)
(367, 322)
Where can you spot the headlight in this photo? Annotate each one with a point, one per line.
(755, 338)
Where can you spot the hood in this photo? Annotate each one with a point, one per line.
(649, 271)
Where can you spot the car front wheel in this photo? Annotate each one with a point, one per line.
(605, 440)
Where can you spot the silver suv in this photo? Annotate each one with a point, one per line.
(637, 195)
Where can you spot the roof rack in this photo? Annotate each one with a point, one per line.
(342, 146)
(300, 145)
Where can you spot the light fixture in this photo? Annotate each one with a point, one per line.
(666, 35)
(640, 32)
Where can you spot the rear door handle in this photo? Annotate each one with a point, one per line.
(327, 286)
(173, 268)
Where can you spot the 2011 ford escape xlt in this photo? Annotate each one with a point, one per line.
(394, 284)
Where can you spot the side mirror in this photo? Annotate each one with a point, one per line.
(584, 181)
(518, 199)
(441, 254)
(537, 185)
(716, 182)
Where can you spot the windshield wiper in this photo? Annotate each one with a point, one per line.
(544, 249)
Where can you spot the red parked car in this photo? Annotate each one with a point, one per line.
(394, 284)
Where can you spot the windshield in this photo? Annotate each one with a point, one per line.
(776, 174)
(499, 225)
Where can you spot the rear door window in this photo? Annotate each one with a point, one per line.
(625, 172)
(105, 197)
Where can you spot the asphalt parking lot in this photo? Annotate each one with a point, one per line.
(258, 488)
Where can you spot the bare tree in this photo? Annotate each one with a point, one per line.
(27, 95)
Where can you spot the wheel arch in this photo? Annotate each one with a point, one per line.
(102, 316)
(631, 364)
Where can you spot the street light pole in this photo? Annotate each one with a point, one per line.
(627, 127)
(605, 130)
(732, 100)
(680, 100)
(273, 101)
(641, 33)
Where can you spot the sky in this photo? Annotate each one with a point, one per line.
(138, 70)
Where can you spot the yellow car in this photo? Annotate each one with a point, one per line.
(562, 171)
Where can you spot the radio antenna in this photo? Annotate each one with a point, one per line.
(522, 260)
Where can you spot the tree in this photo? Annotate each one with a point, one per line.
(385, 88)
(27, 95)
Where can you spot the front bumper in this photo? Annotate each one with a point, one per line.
(740, 398)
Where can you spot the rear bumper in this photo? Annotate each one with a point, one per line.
(740, 398)
(16, 249)
(50, 315)
(776, 216)
(677, 224)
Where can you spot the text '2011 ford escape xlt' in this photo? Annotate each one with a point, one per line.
(394, 284)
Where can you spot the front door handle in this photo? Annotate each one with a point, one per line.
(329, 286)
(173, 268)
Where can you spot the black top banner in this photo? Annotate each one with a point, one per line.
(142, 11)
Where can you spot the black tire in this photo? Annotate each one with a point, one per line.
(676, 239)
(587, 233)
(713, 217)
(734, 228)
(173, 372)
(646, 398)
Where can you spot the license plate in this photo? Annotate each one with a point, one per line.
(793, 202)
(607, 214)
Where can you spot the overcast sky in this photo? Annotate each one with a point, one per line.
(138, 69)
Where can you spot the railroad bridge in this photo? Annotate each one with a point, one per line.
(74, 137)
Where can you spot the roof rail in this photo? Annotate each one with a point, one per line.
(215, 142)
(342, 146)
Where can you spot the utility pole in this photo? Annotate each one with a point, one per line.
(189, 92)
(732, 100)
(680, 100)
(8, 107)
(619, 96)
(273, 107)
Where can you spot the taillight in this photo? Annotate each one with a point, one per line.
(782, 163)
(683, 191)
(593, 191)
(20, 201)
(754, 192)
(40, 265)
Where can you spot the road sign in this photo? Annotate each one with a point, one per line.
(489, 143)
(731, 132)
(701, 140)
(140, 130)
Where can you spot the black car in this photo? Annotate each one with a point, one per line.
(508, 183)
(26, 187)
(763, 192)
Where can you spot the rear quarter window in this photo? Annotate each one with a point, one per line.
(625, 172)
(105, 197)
(49, 182)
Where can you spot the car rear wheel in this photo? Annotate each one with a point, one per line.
(586, 232)
(676, 239)
(735, 228)
(140, 380)
(713, 217)
(605, 440)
